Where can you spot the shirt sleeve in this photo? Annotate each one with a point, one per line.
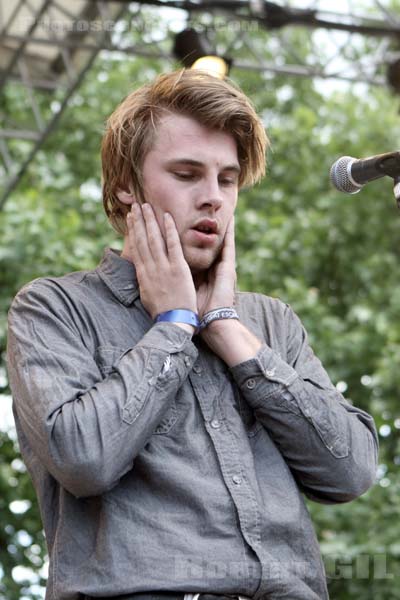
(87, 429)
(330, 445)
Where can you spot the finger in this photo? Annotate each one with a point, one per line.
(131, 238)
(135, 254)
(140, 235)
(174, 246)
(155, 237)
(229, 251)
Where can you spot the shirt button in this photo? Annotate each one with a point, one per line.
(270, 373)
(215, 424)
(251, 384)
(237, 480)
(197, 369)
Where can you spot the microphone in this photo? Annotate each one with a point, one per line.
(350, 174)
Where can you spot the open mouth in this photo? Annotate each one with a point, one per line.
(207, 226)
(206, 230)
(204, 235)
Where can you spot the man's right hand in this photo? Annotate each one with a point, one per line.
(164, 277)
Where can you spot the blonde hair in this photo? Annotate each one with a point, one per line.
(132, 127)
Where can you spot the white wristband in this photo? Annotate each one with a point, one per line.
(216, 314)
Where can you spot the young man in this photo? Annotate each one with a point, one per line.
(169, 457)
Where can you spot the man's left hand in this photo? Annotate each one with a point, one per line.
(227, 338)
(219, 288)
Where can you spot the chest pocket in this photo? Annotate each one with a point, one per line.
(107, 357)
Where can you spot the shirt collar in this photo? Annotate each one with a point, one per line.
(119, 275)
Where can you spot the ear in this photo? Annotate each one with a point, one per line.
(125, 197)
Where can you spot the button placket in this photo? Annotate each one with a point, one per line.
(229, 453)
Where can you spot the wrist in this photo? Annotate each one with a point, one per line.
(222, 326)
(231, 341)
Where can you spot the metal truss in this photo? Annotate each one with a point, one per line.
(48, 46)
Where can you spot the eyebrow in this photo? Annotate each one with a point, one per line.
(197, 163)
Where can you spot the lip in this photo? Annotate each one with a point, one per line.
(204, 238)
(207, 223)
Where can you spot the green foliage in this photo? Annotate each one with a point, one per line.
(21, 536)
(333, 258)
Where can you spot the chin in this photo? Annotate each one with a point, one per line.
(198, 263)
(200, 258)
(200, 266)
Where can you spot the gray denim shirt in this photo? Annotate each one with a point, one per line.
(156, 466)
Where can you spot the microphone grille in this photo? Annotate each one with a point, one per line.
(340, 175)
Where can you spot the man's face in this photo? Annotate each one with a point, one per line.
(192, 173)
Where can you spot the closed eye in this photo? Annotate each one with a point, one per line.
(228, 181)
(225, 181)
(184, 174)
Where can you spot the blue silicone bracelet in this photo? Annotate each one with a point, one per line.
(179, 315)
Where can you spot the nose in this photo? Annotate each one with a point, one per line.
(210, 194)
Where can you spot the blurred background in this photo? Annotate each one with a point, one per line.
(325, 76)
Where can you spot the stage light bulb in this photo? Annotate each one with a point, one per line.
(214, 65)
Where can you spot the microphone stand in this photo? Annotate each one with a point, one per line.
(389, 164)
